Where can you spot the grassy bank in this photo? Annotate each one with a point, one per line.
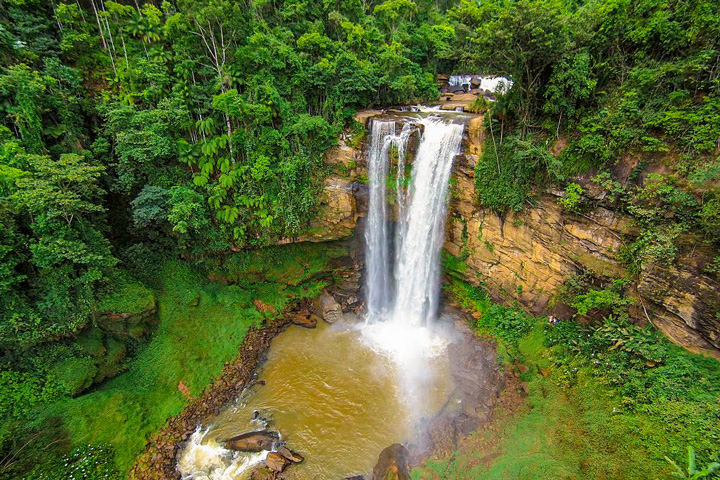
(596, 407)
(201, 325)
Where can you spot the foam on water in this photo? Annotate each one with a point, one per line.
(206, 460)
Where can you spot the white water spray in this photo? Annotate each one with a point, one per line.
(207, 460)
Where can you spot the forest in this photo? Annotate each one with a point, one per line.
(145, 145)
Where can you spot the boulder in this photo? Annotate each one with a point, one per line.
(253, 441)
(393, 464)
(354, 477)
(305, 319)
(263, 473)
(327, 307)
(290, 455)
(276, 462)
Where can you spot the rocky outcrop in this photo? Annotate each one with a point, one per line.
(253, 441)
(684, 305)
(342, 198)
(326, 307)
(527, 256)
(337, 216)
(393, 464)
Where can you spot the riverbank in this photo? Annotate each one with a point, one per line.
(593, 408)
(159, 458)
(202, 324)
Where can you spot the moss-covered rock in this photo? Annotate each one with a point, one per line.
(76, 373)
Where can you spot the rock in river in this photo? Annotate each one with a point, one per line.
(393, 464)
(253, 441)
(290, 455)
(276, 462)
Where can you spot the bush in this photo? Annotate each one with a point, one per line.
(572, 199)
(506, 171)
(509, 323)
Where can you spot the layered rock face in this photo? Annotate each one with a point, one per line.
(338, 213)
(527, 256)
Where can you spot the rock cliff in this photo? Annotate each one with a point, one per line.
(527, 256)
(338, 213)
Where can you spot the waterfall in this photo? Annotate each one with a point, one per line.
(376, 231)
(379, 284)
(417, 270)
(409, 297)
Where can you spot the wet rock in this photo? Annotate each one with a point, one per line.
(354, 477)
(305, 319)
(253, 441)
(290, 455)
(327, 307)
(276, 462)
(263, 473)
(393, 464)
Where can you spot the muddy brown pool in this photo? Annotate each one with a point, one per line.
(333, 399)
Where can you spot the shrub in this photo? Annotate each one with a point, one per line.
(572, 199)
(87, 462)
(508, 323)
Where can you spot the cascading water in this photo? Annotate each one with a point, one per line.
(400, 326)
(376, 234)
(417, 270)
(379, 285)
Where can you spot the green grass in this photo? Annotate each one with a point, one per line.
(561, 433)
(129, 296)
(575, 423)
(191, 344)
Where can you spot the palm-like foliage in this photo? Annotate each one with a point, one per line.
(692, 472)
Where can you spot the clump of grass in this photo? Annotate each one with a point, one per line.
(127, 296)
